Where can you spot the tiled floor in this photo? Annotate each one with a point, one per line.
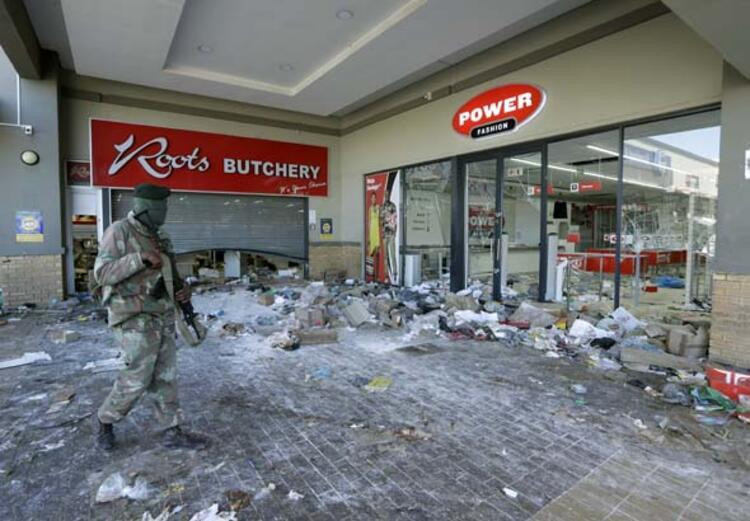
(631, 487)
(483, 417)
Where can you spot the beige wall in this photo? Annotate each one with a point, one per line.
(656, 67)
(75, 114)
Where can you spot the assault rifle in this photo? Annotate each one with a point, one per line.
(188, 313)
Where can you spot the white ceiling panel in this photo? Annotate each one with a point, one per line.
(292, 54)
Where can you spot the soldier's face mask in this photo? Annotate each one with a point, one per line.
(150, 212)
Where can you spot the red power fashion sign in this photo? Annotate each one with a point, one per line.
(124, 155)
(499, 110)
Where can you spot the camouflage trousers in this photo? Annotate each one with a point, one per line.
(150, 355)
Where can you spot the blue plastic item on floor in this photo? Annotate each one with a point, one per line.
(666, 281)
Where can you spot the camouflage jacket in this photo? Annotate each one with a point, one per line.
(128, 286)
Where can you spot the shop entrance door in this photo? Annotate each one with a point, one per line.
(503, 216)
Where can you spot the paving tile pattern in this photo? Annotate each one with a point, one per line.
(630, 487)
(485, 417)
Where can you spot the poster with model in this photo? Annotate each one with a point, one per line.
(382, 233)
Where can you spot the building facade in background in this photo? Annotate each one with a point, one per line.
(623, 154)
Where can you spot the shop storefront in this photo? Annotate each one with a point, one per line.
(519, 213)
(618, 205)
(230, 193)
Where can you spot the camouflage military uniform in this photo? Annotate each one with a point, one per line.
(142, 319)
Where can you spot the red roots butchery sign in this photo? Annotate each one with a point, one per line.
(499, 110)
(124, 155)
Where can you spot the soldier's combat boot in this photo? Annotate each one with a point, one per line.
(105, 437)
(176, 438)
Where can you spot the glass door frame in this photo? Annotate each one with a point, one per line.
(459, 196)
(460, 220)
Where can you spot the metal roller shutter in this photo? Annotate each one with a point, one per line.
(273, 225)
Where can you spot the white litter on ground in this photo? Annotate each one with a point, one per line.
(116, 487)
(510, 493)
(237, 306)
(105, 365)
(27, 358)
(264, 492)
(212, 514)
(295, 496)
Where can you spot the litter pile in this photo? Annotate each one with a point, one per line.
(300, 314)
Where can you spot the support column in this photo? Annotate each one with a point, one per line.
(730, 328)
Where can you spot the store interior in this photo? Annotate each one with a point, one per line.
(670, 175)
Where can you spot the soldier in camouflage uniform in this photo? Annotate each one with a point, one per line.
(128, 269)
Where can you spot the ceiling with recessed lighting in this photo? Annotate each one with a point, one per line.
(319, 57)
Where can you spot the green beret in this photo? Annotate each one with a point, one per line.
(149, 191)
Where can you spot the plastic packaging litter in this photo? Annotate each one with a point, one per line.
(321, 373)
(639, 342)
(534, 316)
(603, 363)
(115, 486)
(628, 321)
(706, 396)
(295, 496)
(378, 384)
(579, 389)
(481, 318)
(666, 281)
(673, 393)
(264, 492)
(284, 340)
(584, 332)
(212, 514)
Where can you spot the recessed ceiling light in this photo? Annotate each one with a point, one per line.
(286, 67)
(344, 14)
(206, 49)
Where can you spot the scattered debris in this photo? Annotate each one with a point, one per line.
(115, 486)
(311, 317)
(264, 492)
(103, 366)
(510, 492)
(61, 399)
(295, 496)
(378, 384)
(579, 389)
(412, 434)
(533, 316)
(164, 516)
(585, 329)
(212, 514)
(266, 299)
(64, 336)
(636, 359)
(232, 329)
(317, 336)
(321, 373)
(238, 499)
(676, 394)
(285, 340)
(208, 273)
(27, 358)
(356, 313)
(686, 341)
